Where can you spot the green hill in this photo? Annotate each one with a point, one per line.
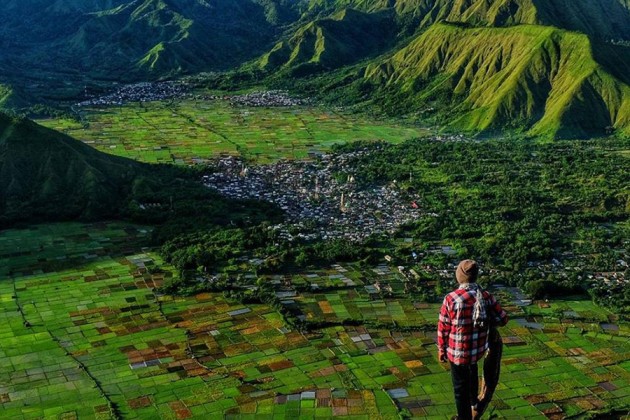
(326, 24)
(47, 175)
(126, 40)
(553, 68)
(542, 79)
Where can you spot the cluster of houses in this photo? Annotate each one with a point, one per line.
(139, 92)
(321, 199)
(610, 278)
(269, 98)
(158, 91)
(451, 138)
(569, 262)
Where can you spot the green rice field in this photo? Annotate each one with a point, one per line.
(193, 131)
(84, 335)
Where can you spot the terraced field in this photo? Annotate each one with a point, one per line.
(152, 131)
(84, 335)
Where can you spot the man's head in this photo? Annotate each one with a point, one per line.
(467, 272)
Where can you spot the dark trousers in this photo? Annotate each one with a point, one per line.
(466, 387)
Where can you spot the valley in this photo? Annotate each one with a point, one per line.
(329, 311)
(532, 68)
(253, 209)
(214, 127)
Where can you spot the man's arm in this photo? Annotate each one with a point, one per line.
(500, 316)
(444, 329)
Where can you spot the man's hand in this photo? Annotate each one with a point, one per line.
(442, 356)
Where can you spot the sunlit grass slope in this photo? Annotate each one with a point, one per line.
(541, 79)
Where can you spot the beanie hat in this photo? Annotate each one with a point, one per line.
(467, 271)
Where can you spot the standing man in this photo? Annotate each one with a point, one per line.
(463, 328)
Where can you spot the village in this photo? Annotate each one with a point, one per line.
(321, 199)
(269, 98)
(139, 92)
(172, 90)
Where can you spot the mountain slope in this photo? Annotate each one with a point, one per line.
(10, 97)
(599, 18)
(167, 36)
(341, 32)
(38, 23)
(6, 93)
(343, 38)
(541, 79)
(138, 39)
(45, 173)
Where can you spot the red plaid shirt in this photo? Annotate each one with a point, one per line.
(457, 337)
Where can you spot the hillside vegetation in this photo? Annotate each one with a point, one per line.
(5, 95)
(126, 40)
(43, 172)
(343, 38)
(552, 69)
(173, 37)
(538, 78)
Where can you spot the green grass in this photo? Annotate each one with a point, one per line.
(191, 131)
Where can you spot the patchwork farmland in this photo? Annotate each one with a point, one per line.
(85, 335)
(152, 131)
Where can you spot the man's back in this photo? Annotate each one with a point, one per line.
(458, 336)
(466, 317)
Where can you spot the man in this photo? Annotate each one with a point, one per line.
(465, 320)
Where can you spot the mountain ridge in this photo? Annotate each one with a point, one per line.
(113, 37)
(508, 80)
(339, 39)
(601, 18)
(522, 74)
(360, 46)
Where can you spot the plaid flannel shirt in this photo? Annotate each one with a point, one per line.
(462, 343)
